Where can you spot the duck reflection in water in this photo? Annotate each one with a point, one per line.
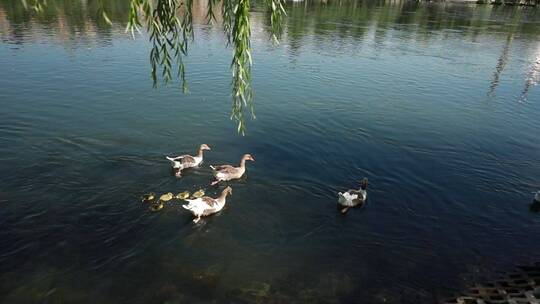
(535, 206)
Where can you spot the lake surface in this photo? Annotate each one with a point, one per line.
(436, 104)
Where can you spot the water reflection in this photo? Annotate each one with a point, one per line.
(333, 22)
(501, 63)
(533, 74)
(343, 22)
(61, 20)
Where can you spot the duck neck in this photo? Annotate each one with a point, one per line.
(243, 163)
(200, 154)
(223, 195)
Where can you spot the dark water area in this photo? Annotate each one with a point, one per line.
(435, 103)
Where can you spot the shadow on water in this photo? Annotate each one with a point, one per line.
(534, 207)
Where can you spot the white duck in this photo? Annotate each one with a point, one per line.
(228, 172)
(182, 162)
(353, 198)
(205, 205)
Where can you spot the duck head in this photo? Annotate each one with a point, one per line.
(248, 157)
(227, 191)
(204, 147)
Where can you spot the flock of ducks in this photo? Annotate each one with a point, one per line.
(200, 205)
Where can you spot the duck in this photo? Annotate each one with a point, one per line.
(206, 205)
(166, 197)
(228, 172)
(353, 198)
(145, 198)
(198, 194)
(182, 195)
(182, 162)
(154, 207)
(537, 197)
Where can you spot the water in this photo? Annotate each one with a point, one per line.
(435, 103)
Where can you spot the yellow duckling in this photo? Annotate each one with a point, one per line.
(166, 197)
(198, 194)
(183, 195)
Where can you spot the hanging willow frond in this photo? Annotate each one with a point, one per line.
(227, 14)
(241, 64)
(242, 93)
(277, 11)
(169, 35)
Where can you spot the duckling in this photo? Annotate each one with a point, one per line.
(183, 195)
(198, 194)
(156, 206)
(145, 198)
(228, 172)
(166, 197)
(182, 162)
(353, 198)
(205, 205)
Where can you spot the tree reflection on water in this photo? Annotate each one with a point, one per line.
(333, 24)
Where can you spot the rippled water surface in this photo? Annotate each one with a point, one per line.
(436, 104)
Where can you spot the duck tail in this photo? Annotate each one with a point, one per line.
(169, 158)
(188, 206)
(364, 183)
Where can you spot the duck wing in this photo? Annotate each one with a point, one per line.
(187, 160)
(182, 158)
(227, 169)
(210, 202)
(347, 198)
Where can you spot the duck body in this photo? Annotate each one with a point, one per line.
(228, 172)
(353, 198)
(185, 161)
(182, 162)
(537, 197)
(206, 205)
